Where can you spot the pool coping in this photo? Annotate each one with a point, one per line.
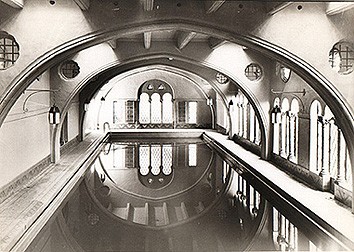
(319, 206)
(23, 214)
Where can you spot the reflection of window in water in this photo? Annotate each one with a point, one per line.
(144, 159)
(166, 159)
(155, 159)
(192, 155)
(285, 234)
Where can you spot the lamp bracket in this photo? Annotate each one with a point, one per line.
(303, 92)
(35, 91)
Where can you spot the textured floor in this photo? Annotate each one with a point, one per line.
(19, 211)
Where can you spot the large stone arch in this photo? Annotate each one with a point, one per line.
(314, 78)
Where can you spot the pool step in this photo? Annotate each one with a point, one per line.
(157, 215)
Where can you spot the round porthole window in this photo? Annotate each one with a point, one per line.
(253, 72)
(341, 58)
(222, 79)
(69, 69)
(9, 50)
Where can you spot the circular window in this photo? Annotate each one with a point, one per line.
(284, 73)
(69, 69)
(222, 79)
(9, 50)
(341, 58)
(253, 72)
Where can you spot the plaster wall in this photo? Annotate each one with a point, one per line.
(127, 89)
(24, 136)
(73, 120)
(311, 34)
(39, 27)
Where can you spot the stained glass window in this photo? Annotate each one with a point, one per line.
(192, 112)
(155, 108)
(144, 108)
(167, 108)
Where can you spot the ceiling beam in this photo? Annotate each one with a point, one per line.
(279, 8)
(112, 43)
(83, 4)
(148, 5)
(183, 38)
(18, 4)
(147, 40)
(213, 6)
(334, 8)
(215, 42)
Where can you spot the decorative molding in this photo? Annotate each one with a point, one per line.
(30, 174)
(214, 6)
(343, 195)
(23, 179)
(279, 8)
(83, 4)
(18, 4)
(183, 38)
(334, 8)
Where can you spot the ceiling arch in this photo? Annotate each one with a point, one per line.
(315, 79)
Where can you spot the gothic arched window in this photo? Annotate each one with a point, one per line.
(155, 103)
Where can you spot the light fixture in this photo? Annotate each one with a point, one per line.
(210, 101)
(54, 115)
(276, 115)
(86, 105)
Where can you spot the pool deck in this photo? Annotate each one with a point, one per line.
(322, 204)
(26, 211)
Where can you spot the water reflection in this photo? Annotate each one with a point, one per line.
(206, 206)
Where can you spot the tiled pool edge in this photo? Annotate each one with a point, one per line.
(221, 141)
(33, 215)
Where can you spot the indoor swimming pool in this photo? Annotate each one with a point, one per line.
(175, 194)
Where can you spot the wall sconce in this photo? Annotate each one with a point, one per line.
(276, 115)
(210, 101)
(54, 115)
(86, 106)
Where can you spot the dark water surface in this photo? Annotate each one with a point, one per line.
(173, 195)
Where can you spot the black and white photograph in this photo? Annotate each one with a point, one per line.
(176, 125)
